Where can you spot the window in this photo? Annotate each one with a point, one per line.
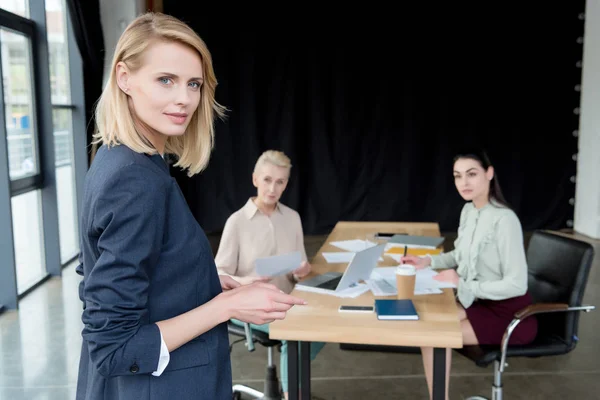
(18, 104)
(21, 132)
(19, 7)
(38, 177)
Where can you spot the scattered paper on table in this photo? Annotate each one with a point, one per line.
(351, 292)
(427, 291)
(381, 287)
(424, 282)
(354, 245)
(396, 257)
(339, 257)
(425, 279)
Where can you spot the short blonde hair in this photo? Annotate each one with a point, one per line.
(274, 157)
(114, 122)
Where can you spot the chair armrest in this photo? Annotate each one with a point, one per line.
(538, 308)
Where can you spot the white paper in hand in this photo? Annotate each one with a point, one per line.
(278, 265)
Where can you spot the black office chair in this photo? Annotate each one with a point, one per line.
(558, 272)
(272, 390)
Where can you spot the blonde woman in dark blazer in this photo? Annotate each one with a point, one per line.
(155, 309)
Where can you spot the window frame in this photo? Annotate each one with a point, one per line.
(35, 29)
(25, 27)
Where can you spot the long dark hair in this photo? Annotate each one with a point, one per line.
(482, 158)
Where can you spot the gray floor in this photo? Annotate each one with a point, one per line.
(39, 350)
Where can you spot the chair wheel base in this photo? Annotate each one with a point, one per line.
(271, 391)
(239, 389)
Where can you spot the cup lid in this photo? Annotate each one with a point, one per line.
(406, 269)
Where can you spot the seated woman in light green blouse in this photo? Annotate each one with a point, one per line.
(487, 265)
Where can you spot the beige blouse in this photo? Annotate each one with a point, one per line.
(250, 234)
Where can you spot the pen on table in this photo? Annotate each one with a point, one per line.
(405, 248)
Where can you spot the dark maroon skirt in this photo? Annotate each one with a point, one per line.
(490, 318)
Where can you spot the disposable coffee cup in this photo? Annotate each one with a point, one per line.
(405, 280)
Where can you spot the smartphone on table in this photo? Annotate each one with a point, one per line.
(358, 309)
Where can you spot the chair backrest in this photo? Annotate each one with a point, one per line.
(559, 267)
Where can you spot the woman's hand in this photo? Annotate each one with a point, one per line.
(248, 280)
(303, 270)
(259, 303)
(448, 275)
(228, 282)
(418, 262)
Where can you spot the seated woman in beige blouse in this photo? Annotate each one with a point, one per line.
(265, 227)
(487, 265)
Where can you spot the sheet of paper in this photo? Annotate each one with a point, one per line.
(421, 291)
(396, 257)
(425, 279)
(338, 257)
(381, 287)
(384, 273)
(353, 245)
(351, 292)
(278, 265)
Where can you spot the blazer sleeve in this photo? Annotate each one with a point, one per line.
(129, 221)
(444, 260)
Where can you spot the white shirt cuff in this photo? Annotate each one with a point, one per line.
(163, 359)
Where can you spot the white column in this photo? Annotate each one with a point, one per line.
(587, 193)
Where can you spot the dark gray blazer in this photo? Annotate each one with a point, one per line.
(144, 258)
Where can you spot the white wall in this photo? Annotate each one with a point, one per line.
(587, 194)
(115, 15)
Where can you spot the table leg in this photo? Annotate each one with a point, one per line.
(439, 373)
(293, 388)
(305, 390)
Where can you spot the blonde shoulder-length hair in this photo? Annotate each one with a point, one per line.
(114, 121)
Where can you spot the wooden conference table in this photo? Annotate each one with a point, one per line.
(320, 320)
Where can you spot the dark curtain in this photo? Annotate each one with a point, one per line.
(371, 106)
(85, 19)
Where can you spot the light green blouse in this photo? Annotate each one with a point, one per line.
(489, 255)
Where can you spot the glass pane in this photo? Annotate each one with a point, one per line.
(20, 116)
(56, 21)
(65, 184)
(19, 7)
(28, 239)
